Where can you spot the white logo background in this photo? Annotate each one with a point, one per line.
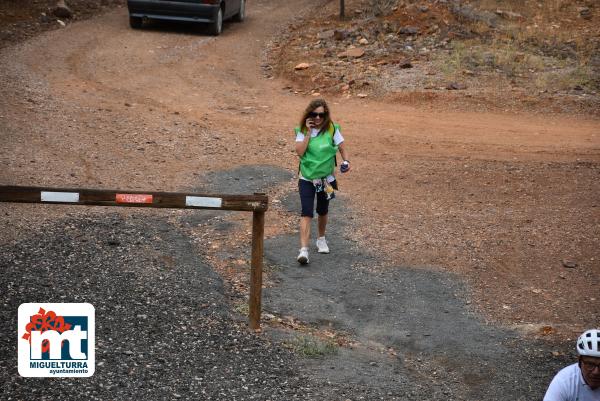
(26, 311)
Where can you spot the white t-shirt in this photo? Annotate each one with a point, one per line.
(568, 385)
(337, 139)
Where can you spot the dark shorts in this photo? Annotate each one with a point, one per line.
(307, 198)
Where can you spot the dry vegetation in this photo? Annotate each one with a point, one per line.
(547, 43)
(539, 55)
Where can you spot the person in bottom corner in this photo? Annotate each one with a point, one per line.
(318, 140)
(579, 381)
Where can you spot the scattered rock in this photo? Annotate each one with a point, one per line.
(362, 95)
(326, 34)
(509, 15)
(340, 34)
(62, 10)
(352, 52)
(405, 64)
(456, 86)
(44, 18)
(570, 264)
(302, 66)
(470, 13)
(585, 13)
(363, 41)
(547, 330)
(61, 23)
(408, 30)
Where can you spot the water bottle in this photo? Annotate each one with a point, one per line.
(345, 166)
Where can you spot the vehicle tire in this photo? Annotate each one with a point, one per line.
(136, 22)
(217, 25)
(239, 17)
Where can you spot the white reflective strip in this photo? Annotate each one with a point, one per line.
(60, 196)
(204, 202)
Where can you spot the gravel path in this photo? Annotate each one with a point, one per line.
(163, 325)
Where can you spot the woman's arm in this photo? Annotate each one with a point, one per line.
(344, 154)
(301, 146)
(343, 151)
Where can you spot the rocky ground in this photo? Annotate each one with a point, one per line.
(129, 268)
(20, 20)
(515, 55)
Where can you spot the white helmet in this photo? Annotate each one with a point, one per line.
(588, 344)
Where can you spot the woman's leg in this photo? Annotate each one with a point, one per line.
(322, 211)
(305, 230)
(307, 199)
(322, 224)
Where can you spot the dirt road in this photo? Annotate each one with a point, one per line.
(498, 201)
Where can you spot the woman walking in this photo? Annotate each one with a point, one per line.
(318, 140)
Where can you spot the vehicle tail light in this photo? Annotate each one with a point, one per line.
(210, 1)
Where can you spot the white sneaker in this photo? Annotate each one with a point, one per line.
(303, 256)
(322, 245)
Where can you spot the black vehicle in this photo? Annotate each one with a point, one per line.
(212, 12)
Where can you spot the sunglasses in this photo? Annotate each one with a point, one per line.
(590, 365)
(313, 114)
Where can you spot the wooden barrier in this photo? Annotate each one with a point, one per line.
(257, 204)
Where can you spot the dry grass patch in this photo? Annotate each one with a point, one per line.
(313, 347)
(545, 45)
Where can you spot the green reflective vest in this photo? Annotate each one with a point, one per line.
(319, 159)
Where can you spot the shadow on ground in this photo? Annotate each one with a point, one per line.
(418, 338)
(444, 351)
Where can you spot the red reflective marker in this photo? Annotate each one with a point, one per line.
(134, 198)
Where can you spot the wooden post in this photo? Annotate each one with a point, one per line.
(342, 12)
(258, 232)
